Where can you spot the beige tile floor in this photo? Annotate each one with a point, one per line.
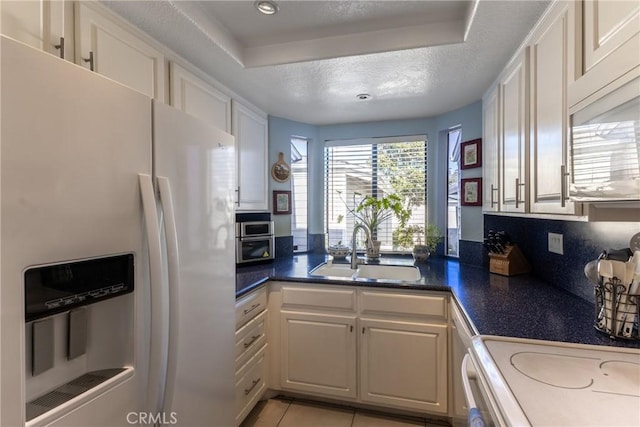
(283, 412)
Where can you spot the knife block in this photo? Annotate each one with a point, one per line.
(511, 263)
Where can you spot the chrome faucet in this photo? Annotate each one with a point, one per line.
(354, 254)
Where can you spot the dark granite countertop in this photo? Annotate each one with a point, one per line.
(519, 306)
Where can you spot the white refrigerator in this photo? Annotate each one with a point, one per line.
(92, 171)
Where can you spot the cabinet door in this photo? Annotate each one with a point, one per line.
(610, 25)
(109, 49)
(514, 135)
(194, 96)
(318, 353)
(250, 131)
(22, 20)
(490, 158)
(551, 50)
(41, 24)
(404, 364)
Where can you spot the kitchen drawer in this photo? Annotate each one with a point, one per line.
(403, 304)
(250, 384)
(250, 338)
(250, 306)
(340, 299)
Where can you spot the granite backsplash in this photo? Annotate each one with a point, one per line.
(583, 242)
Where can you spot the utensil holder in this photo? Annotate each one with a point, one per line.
(511, 263)
(616, 310)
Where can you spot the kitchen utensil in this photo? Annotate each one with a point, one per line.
(624, 307)
(591, 272)
(614, 289)
(634, 288)
(632, 298)
(619, 273)
(634, 243)
(605, 269)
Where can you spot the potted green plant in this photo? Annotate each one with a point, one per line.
(432, 237)
(371, 212)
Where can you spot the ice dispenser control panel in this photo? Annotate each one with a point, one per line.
(57, 288)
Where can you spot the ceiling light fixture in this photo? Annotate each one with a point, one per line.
(363, 96)
(267, 7)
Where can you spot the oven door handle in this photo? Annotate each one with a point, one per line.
(475, 417)
(256, 238)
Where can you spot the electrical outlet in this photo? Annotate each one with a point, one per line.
(555, 243)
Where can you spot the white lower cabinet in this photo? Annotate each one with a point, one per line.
(250, 384)
(251, 351)
(376, 347)
(318, 353)
(404, 364)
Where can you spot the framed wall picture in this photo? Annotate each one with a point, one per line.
(471, 191)
(471, 154)
(281, 202)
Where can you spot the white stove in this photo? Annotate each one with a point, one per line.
(545, 383)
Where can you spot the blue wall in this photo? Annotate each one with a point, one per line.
(280, 133)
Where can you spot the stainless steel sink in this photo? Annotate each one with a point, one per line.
(401, 273)
(333, 270)
(404, 273)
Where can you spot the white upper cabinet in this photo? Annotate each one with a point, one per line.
(490, 152)
(610, 25)
(106, 47)
(552, 50)
(194, 96)
(43, 24)
(609, 39)
(251, 132)
(514, 135)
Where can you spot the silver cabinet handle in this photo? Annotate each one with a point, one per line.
(518, 185)
(238, 191)
(253, 307)
(90, 61)
(254, 383)
(493, 201)
(251, 341)
(60, 47)
(563, 185)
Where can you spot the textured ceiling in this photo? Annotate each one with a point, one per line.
(220, 37)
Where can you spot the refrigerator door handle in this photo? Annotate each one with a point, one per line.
(158, 347)
(171, 236)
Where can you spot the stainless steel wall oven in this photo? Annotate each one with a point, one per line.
(255, 241)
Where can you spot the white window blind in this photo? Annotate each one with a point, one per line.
(606, 148)
(605, 152)
(353, 171)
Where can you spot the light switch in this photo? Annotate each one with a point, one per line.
(555, 243)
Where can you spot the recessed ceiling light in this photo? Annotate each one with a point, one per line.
(267, 7)
(363, 96)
